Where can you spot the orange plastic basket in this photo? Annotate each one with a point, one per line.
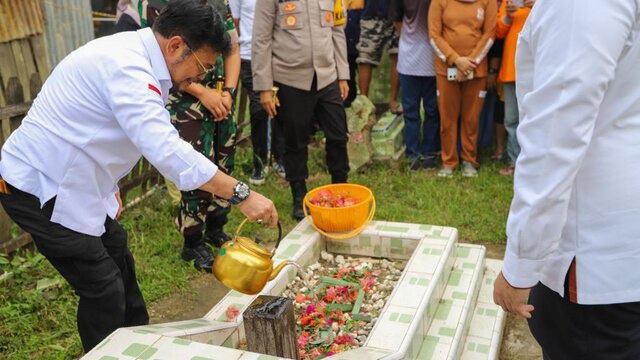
(343, 222)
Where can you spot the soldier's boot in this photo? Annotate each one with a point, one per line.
(215, 234)
(195, 250)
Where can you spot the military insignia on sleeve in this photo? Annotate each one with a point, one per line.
(290, 7)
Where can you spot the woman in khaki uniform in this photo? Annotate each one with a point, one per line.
(461, 32)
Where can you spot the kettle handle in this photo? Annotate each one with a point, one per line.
(277, 241)
(240, 227)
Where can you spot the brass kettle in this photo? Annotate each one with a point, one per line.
(244, 265)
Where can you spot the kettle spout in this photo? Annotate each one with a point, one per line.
(276, 270)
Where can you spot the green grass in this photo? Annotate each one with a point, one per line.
(41, 323)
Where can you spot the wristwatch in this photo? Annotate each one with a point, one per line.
(241, 192)
(230, 90)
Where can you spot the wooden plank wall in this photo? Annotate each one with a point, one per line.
(23, 69)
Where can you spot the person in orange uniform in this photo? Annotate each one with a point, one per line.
(511, 19)
(461, 32)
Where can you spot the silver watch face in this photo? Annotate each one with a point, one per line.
(241, 190)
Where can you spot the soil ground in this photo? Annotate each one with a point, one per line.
(205, 291)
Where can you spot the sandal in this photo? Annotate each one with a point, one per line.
(497, 157)
(507, 171)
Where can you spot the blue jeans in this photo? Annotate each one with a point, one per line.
(511, 121)
(415, 89)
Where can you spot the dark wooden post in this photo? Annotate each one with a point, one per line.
(270, 325)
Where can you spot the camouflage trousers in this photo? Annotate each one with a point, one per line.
(200, 210)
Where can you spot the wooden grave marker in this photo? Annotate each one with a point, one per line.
(270, 325)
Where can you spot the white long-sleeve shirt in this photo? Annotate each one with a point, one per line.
(100, 109)
(577, 183)
(244, 10)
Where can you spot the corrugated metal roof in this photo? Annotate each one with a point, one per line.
(69, 25)
(20, 18)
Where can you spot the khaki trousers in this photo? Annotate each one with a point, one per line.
(462, 101)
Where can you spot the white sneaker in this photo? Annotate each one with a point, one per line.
(258, 177)
(279, 169)
(445, 172)
(468, 170)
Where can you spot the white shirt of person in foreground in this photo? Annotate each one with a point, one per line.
(577, 180)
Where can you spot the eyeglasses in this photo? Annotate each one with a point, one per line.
(205, 71)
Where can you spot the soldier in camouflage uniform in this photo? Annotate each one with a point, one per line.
(196, 114)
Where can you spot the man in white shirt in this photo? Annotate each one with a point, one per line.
(101, 109)
(574, 227)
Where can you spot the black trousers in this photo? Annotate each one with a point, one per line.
(100, 269)
(570, 331)
(353, 86)
(297, 111)
(260, 124)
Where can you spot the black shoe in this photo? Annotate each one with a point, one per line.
(429, 163)
(201, 256)
(216, 237)
(298, 213)
(298, 191)
(416, 164)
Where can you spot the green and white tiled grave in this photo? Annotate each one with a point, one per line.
(440, 309)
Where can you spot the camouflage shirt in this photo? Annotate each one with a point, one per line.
(183, 106)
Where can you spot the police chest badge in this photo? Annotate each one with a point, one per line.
(291, 21)
(290, 14)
